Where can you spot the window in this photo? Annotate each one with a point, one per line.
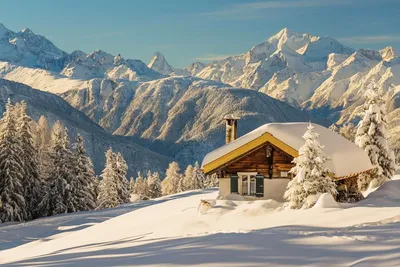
(248, 181)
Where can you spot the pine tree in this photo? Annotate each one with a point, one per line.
(181, 185)
(141, 186)
(170, 184)
(334, 128)
(211, 181)
(13, 206)
(132, 188)
(154, 186)
(188, 178)
(32, 182)
(198, 178)
(108, 193)
(59, 195)
(311, 174)
(121, 168)
(372, 137)
(348, 131)
(42, 139)
(83, 187)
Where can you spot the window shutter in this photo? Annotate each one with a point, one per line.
(259, 185)
(234, 184)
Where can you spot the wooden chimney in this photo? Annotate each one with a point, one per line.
(231, 127)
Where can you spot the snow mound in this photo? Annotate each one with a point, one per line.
(231, 197)
(389, 190)
(326, 201)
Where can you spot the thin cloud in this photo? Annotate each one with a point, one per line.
(242, 9)
(212, 57)
(370, 39)
(252, 10)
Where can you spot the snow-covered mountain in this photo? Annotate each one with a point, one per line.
(160, 64)
(166, 108)
(179, 116)
(28, 49)
(97, 141)
(314, 73)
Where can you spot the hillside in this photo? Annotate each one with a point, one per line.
(179, 116)
(97, 141)
(232, 233)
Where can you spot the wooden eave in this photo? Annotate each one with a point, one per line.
(244, 149)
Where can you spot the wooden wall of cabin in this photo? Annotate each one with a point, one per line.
(258, 161)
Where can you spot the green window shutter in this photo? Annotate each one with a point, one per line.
(259, 185)
(234, 184)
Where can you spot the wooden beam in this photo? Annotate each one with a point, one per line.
(246, 148)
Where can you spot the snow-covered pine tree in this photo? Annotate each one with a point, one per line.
(211, 181)
(334, 128)
(95, 184)
(84, 194)
(32, 182)
(311, 174)
(59, 193)
(372, 137)
(187, 179)
(138, 183)
(181, 184)
(141, 186)
(108, 193)
(199, 177)
(13, 207)
(348, 131)
(121, 168)
(42, 139)
(132, 188)
(154, 186)
(170, 184)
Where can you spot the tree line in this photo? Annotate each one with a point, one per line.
(42, 174)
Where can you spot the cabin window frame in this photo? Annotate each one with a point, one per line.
(248, 174)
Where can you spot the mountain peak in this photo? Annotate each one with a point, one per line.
(284, 33)
(27, 31)
(388, 53)
(160, 64)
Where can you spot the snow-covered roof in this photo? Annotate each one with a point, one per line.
(346, 157)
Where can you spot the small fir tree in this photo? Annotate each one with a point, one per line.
(154, 185)
(13, 206)
(372, 137)
(84, 191)
(32, 182)
(59, 195)
(171, 182)
(108, 193)
(311, 174)
(121, 168)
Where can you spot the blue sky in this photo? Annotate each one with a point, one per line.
(189, 30)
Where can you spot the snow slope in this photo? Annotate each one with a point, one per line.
(170, 232)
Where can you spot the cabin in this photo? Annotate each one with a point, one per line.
(257, 165)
